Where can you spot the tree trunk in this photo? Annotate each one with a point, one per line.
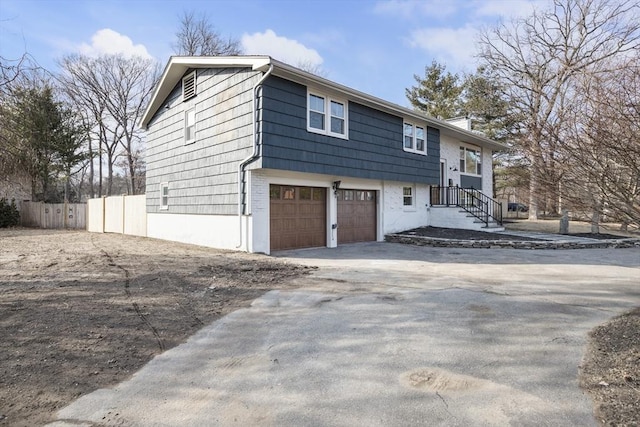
(534, 187)
(92, 192)
(100, 172)
(595, 223)
(110, 172)
(564, 222)
(132, 172)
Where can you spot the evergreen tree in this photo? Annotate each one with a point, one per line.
(484, 103)
(438, 93)
(39, 137)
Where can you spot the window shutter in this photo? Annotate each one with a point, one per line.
(189, 86)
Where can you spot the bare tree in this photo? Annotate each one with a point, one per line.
(312, 67)
(197, 36)
(603, 144)
(537, 58)
(10, 70)
(113, 90)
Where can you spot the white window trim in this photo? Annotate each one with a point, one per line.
(414, 140)
(412, 206)
(186, 113)
(195, 85)
(327, 115)
(164, 207)
(472, 148)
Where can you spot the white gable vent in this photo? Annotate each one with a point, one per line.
(189, 86)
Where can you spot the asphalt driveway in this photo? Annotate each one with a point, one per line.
(388, 334)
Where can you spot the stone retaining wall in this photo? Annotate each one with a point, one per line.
(510, 244)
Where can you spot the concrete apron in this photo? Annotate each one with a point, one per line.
(386, 334)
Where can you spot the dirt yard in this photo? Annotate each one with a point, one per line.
(610, 372)
(82, 311)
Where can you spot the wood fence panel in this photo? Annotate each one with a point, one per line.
(77, 216)
(52, 215)
(30, 214)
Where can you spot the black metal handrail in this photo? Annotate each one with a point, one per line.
(471, 200)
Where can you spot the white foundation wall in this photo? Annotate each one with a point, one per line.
(452, 218)
(397, 217)
(391, 215)
(214, 231)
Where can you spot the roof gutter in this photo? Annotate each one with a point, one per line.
(257, 141)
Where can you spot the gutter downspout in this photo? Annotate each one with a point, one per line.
(257, 141)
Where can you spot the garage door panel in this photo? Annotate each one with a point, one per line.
(297, 217)
(356, 216)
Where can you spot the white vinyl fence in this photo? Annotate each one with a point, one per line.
(118, 214)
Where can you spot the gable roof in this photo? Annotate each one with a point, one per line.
(179, 65)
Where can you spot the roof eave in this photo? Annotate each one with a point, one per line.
(178, 65)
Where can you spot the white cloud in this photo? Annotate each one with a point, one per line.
(109, 42)
(281, 48)
(454, 47)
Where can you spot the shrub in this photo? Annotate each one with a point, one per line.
(9, 215)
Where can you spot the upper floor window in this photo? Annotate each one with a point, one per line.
(190, 126)
(470, 161)
(414, 139)
(189, 86)
(326, 115)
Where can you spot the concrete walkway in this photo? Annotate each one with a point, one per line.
(386, 334)
(552, 237)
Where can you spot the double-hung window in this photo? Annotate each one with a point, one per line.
(408, 197)
(326, 115)
(164, 196)
(470, 161)
(190, 126)
(414, 139)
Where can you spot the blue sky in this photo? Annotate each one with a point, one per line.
(372, 46)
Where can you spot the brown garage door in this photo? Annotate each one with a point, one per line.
(356, 216)
(298, 217)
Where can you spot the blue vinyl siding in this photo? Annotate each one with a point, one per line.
(373, 150)
(467, 181)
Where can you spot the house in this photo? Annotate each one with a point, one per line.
(249, 153)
